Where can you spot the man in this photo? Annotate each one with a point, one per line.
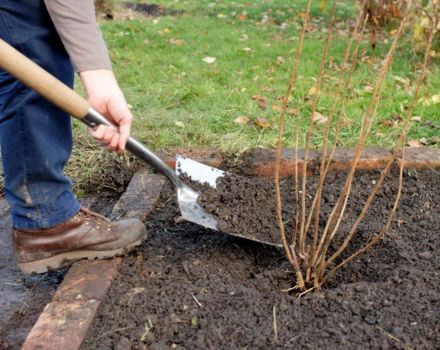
(50, 229)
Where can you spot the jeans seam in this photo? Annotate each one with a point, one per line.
(25, 157)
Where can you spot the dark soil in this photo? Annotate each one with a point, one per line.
(190, 288)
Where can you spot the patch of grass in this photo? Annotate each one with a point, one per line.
(179, 100)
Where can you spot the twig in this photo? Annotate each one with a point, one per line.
(195, 299)
(340, 100)
(302, 231)
(292, 81)
(275, 324)
(389, 335)
(148, 327)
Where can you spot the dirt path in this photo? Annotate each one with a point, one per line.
(189, 288)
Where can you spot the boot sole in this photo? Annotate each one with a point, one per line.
(65, 259)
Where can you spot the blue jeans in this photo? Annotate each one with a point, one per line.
(35, 136)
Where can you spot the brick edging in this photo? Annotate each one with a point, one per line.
(64, 322)
(261, 162)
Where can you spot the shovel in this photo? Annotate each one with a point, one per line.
(36, 78)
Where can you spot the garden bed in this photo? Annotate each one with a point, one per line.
(192, 288)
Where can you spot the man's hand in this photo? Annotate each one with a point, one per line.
(104, 94)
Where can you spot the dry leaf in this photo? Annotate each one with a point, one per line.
(387, 123)
(368, 88)
(261, 101)
(244, 37)
(292, 111)
(242, 120)
(179, 124)
(416, 119)
(276, 108)
(319, 118)
(176, 42)
(247, 49)
(167, 30)
(404, 81)
(280, 60)
(313, 90)
(262, 122)
(424, 141)
(429, 101)
(209, 59)
(242, 17)
(414, 143)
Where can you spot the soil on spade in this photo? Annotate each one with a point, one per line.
(191, 288)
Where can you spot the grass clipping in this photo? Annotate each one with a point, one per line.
(307, 247)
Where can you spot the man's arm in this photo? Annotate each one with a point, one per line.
(75, 22)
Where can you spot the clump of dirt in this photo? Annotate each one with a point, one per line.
(109, 10)
(192, 288)
(242, 206)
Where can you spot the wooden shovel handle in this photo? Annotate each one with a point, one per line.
(36, 78)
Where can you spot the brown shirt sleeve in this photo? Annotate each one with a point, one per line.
(75, 22)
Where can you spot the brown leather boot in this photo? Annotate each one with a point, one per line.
(86, 235)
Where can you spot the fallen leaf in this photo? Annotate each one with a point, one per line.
(179, 124)
(221, 15)
(313, 90)
(261, 101)
(404, 81)
(242, 17)
(242, 120)
(292, 111)
(244, 37)
(368, 88)
(176, 42)
(262, 122)
(417, 119)
(166, 30)
(319, 118)
(387, 123)
(424, 141)
(414, 143)
(280, 60)
(276, 108)
(435, 99)
(209, 59)
(247, 49)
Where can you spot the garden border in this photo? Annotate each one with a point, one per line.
(65, 320)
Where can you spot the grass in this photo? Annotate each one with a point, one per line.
(179, 100)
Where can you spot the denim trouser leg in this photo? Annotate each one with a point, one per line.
(35, 136)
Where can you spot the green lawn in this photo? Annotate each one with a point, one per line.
(179, 100)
